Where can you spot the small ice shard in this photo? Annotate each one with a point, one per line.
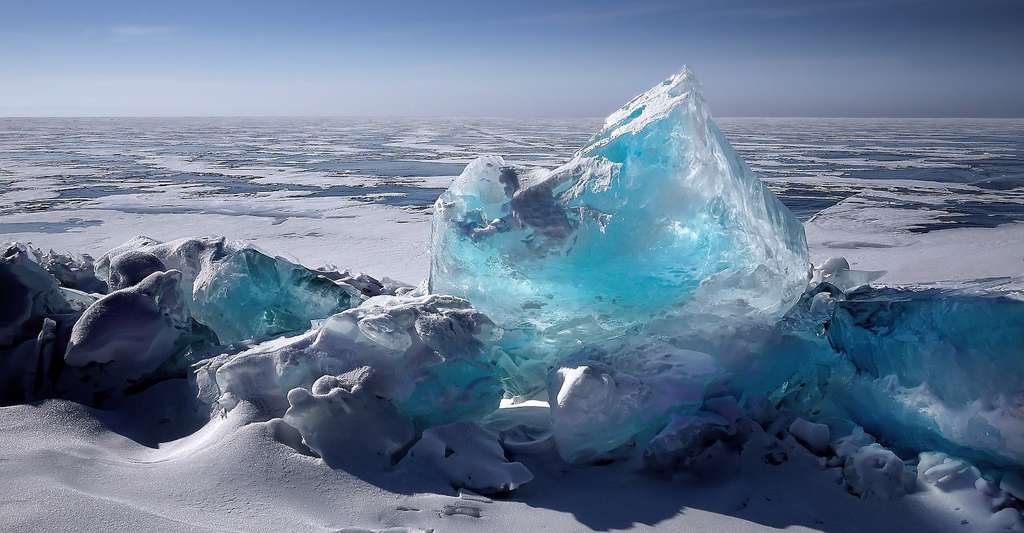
(239, 293)
(427, 353)
(814, 436)
(467, 457)
(348, 422)
(656, 218)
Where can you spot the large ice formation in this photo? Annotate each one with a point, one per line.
(922, 368)
(431, 358)
(128, 334)
(35, 324)
(657, 217)
(239, 293)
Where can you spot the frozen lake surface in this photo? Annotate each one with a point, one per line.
(357, 193)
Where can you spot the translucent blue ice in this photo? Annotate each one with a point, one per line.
(935, 369)
(921, 369)
(656, 218)
(239, 293)
(250, 295)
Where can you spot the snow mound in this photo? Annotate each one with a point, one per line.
(468, 457)
(427, 354)
(349, 422)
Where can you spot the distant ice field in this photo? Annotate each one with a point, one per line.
(926, 200)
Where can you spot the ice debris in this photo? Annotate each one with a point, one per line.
(238, 292)
(596, 408)
(130, 333)
(427, 353)
(468, 457)
(656, 221)
(348, 422)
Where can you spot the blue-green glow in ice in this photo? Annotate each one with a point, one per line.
(656, 218)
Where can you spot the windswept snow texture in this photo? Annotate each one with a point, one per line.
(656, 217)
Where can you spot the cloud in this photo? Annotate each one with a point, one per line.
(143, 30)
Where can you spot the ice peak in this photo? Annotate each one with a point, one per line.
(682, 91)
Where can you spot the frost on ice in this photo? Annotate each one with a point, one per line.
(429, 357)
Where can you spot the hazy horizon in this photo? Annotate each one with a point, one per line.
(573, 59)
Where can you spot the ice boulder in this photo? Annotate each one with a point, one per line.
(252, 295)
(35, 325)
(612, 398)
(467, 456)
(349, 422)
(72, 271)
(238, 292)
(430, 356)
(934, 369)
(128, 334)
(656, 218)
(29, 295)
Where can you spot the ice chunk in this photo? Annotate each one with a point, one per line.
(130, 333)
(947, 472)
(873, 471)
(427, 353)
(73, 272)
(349, 423)
(250, 295)
(934, 369)
(133, 266)
(814, 436)
(240, 293)
(467, 457)
(684, 438)
(597, 408)
(836, 271)
(35, 324)
(657, 217)
(29, 295)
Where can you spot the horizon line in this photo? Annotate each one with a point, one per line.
(500, 117)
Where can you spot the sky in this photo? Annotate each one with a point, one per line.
(512, 58)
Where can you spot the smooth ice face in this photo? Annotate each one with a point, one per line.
(657, 217)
